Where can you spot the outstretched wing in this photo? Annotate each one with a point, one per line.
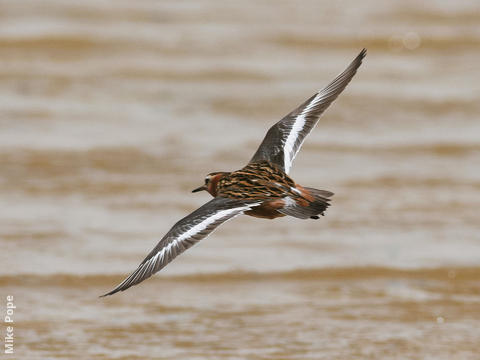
(284, 139)
(184, 234)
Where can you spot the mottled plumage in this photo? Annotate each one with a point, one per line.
(260, 180)
(260, 189)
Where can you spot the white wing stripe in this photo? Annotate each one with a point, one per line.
(284, 139)
(290, 142)
(195, 230)
(184, 234)
(289, 153)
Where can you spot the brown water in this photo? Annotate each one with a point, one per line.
(112, 111)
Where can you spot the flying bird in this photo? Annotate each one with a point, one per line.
(262, 188)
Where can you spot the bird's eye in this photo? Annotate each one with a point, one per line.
(206, 180)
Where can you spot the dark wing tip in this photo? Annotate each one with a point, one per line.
(117, 289)
(355, 64)
(360, 57)
(333, 89)
(109, 293)
(136, 277)
(141, 273)
(363, 53)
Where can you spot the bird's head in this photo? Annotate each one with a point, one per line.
(211, 182)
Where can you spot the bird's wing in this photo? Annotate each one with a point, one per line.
(184, 234)
(284, 139)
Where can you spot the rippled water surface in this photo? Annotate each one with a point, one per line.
(112, 111)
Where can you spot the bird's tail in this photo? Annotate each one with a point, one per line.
(313, 202)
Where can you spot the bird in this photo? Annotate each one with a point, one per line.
(261, 189)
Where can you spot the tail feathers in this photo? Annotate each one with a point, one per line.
(308, 209)
(297, 211)
(319, 193)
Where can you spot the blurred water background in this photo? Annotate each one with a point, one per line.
(112, 111)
